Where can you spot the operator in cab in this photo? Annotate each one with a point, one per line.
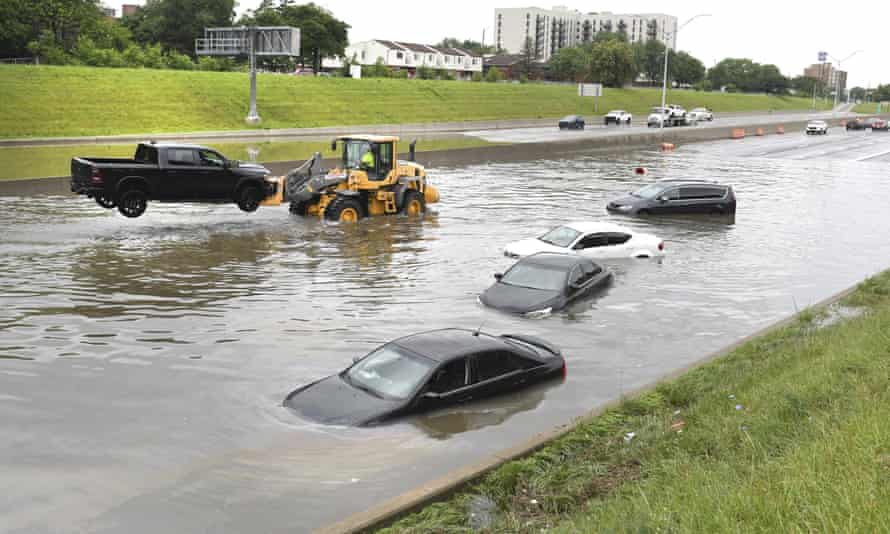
(368, 162)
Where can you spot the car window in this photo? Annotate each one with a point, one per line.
(671, 194)
(389, 372)
(592, 241)
(576, 276)
(561, 236)
(451, 376)
(533, 276)
(699, 193)
(498, 363)
(182, 156)
(210, 158)
(590, 270)
(649, 192)
(618, 238)
(147, 154)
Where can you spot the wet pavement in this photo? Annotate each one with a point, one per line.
(143, 362)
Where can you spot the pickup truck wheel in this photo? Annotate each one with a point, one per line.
(105, 202)
(344, 209)
(299, 208)
(249, 198)
(413, 204)
(132, 204)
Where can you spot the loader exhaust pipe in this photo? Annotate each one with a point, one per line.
(411, 150)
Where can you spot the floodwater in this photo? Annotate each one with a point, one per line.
(143, 362)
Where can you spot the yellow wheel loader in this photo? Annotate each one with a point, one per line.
(369, 180)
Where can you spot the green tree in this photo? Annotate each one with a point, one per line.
(609, 35)
(739, 73)
(467, 44)
(425, 73)
(857, 93)
(686, 69)
(770, 79)
(649, 58)
(494, 74)
(175, 24)
(571, 64)
(612, 63)
(321, 34)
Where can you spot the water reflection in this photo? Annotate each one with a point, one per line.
(448, 422)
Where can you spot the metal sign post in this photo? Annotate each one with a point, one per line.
(594, 90)
(250, 41)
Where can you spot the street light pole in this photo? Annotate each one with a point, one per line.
(837, 79)
(667, 51)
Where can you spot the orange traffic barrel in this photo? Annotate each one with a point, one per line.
(780, 129)
(667, 146)
(760, 131)
(738, 133)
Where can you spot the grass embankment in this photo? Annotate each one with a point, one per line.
(83, 101)
(870, 108)
(788, 433)
(37, 162)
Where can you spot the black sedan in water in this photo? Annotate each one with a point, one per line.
(545, 282)
(571, 122)
(424, 372)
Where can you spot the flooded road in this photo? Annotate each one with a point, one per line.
(143, 362)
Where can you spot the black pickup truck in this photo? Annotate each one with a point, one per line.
(170, 173)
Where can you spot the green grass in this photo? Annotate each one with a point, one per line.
(83, 101)
(870, 108)
(39, 162)
(788, 433)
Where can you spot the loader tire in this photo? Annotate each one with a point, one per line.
(344, 209)
(413, 203)
(299, 208)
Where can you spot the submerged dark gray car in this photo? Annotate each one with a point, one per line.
(670, 197)
(545, 282)
(427, 371)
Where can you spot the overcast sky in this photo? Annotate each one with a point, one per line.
(786, 33)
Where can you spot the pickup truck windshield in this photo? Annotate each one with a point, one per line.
(146, 154)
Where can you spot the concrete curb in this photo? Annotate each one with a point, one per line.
(406, 503)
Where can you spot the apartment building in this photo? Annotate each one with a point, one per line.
(548, 30)
(828, 75)
(410, 56)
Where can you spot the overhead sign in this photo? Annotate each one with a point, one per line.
(823, 56)
(590, 89)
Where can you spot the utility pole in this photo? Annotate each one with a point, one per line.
(667, 50)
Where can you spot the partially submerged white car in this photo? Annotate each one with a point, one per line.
(591, 239)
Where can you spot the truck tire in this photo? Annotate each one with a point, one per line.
(249, 198)
(132, 203)
(105, 202)
(344, 209)
(413, 204)
(299, 208)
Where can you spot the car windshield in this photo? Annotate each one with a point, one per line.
(649, 192)
(561, 236)
(389, 372)
(353, 152)
(570, 118)
(616, 112)
(657, 110)
(535, 277)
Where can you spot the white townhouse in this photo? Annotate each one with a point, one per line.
(410, 56)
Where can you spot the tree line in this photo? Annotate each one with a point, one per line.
(611, 60)
(161, 34)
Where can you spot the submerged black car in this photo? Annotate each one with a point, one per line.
(672, 197)
(424, 372)
(860, 123)
(545, 282)
(571, 122)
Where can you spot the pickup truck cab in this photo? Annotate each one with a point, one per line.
(168, 172)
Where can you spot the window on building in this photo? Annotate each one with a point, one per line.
(400, 55)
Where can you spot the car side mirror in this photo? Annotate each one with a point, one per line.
(356, 359)
(498, 276)
(662, 199)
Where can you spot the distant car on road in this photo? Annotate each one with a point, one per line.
(860, 123)
(169, 172)
(618, 116)
(427, 371)
(670, 197)
(545, 282)
(591, 239)
(672, 115)
(880, 125)
(571, 122)
(817, 128)
(702, 114)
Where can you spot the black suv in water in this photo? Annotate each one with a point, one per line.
(668, 197)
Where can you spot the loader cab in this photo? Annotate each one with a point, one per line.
(354, 150)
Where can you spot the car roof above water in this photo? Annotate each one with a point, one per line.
(449, 344)
(552, 259)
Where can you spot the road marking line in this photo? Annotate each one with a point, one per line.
(873, 156)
